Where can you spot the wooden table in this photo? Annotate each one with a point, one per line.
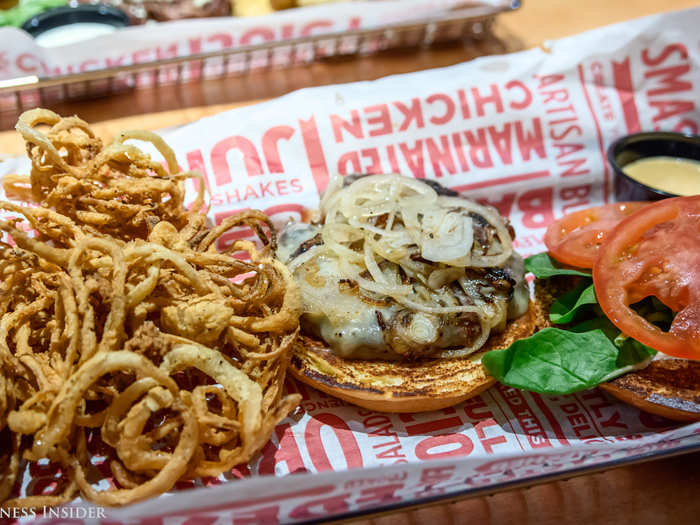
(661, 492)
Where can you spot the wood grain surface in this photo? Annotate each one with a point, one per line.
(665, 492)
(661, 492)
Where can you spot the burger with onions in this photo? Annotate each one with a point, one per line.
(405, 285)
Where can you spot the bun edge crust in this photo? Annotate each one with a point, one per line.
(402, 386)
(434, 384)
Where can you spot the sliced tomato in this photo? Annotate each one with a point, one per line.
(655, 252)
(576, 238)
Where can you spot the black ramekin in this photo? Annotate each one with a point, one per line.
(633, 147)
(61, 16)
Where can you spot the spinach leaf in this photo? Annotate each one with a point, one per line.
(543, 267)
(554, 361)
(631, 351)
(597, 323)
(564, 309)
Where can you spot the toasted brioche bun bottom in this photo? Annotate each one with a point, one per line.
(402, 386)
(667, 387)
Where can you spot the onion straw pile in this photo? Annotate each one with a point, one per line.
(123, 331)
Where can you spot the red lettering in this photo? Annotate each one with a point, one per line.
(503, 205)
(463, 104)
(314, 153)
(573, 166)
(562, 135)
(435, 475)
(614, 421)
(271, 149)
(669, 80)
(112, 62)
(391, 453)
(670, 108)
(254, 517)
(224, 39)
(287, 452)
(479, 152)
(410, 114)
(449, 112)
(548, 80)
(424, 447)
(488, 442)
(296, 185)
(434, 425)
(493, 98)
(169, 52)
(665, 53)
(142, 55)
(219, 162)
(384, 495)
(577, 419)
(380, 119)
(529, 142)
(566, 149)
(314, 444)
(373, 155)
(281, 186)
(194, 45)
(536, 206)
(321, 508)
(457, 141)
(414, 158)
(27, 63)
(686, 126)
(195, 162)
(393, 161)
(476, 409)
(309, 28)
(354, 127)
(440, 156)
(88, 64)
(501, 141)
(527, 95)
(352, 158)
(578, 194)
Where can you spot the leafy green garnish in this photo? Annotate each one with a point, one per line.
(633, 352)
(25, 9)
(564, 309)
(543, 267)
(554, 361)
(630, 351)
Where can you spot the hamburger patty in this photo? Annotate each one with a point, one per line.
(359, 324)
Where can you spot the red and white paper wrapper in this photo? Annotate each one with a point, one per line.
(20, 56)
(526, 132)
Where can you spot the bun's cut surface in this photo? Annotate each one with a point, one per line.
(667, 387)
(402, 386)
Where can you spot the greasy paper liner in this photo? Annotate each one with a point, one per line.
(525, 132)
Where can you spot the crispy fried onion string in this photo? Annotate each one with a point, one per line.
(126, 335)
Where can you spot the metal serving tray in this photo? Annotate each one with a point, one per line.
(20, 93)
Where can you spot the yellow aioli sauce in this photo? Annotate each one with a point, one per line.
(670, 174)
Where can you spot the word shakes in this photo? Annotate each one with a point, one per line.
(241, 168)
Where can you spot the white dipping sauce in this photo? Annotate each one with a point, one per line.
(72, 33)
